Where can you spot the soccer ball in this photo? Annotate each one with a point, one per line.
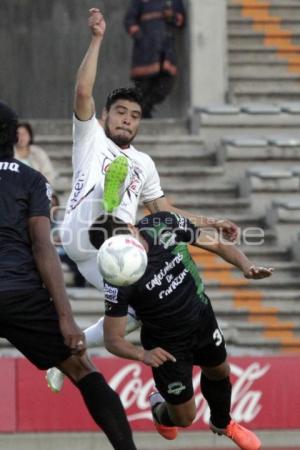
(122, 260)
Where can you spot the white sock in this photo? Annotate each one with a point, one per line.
(94, 333)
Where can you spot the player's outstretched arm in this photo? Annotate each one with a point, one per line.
(49, 267)
(115, 342)
(233, 255)
(83, 102)
(228, 229)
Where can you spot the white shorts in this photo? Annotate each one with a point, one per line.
(90, 271)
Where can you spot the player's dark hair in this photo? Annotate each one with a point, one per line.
(132, 94)
(29, 130)
(104, 227)
(8, 130)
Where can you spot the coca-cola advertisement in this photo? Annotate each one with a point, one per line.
(265, 395)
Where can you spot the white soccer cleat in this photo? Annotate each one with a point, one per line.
(55, 379)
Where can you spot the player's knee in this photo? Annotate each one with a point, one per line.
(77, 367)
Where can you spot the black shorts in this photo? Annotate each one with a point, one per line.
(30, 322)
(205, 348)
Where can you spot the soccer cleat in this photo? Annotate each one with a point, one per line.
(55, 379)
(114, 179)
(243, 438)
(169, 433)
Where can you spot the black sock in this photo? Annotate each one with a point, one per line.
(107, 411)
(218, 396)
(161, 415)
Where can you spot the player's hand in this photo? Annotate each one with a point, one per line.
(157, 356)
(73, 336)
(257, 273)
(168, 14)
(96, 22)
(228, 229)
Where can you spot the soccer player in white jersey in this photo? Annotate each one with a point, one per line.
(109, 174)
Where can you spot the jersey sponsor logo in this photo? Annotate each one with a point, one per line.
(177, 281)
(181, 221)
(167, 239)
(13, 167)
(77, 189)
(158, 278)
(111, 293)
(176, 388)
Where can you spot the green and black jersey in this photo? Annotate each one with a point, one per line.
(169, 299)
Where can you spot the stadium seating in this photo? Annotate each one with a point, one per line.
(240, 160)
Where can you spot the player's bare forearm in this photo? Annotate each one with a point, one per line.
(120, 347)
(115, 342)
(87, 72)
(229, 229)
(48, 264)
(163, 204)
(49, 267)
(232, 255)
(86, 76)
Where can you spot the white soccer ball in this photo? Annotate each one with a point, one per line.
(122, 260)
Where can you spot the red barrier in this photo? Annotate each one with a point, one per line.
(7, 395)
(266, 395)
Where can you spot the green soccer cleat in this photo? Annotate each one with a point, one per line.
(114, 179)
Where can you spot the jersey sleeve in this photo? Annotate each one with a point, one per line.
(152, 189)
(85, 133)
(40, 197)
(116, 300)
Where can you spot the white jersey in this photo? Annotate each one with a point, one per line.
(93, 152)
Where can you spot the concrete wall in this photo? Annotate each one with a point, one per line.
(208, 76)
(42, 44)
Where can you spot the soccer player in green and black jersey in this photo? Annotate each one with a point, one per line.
(179, 328)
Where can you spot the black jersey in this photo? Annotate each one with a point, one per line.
(24, 193)
(169, 299)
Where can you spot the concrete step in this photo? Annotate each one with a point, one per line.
(94, 296)
(228, 206)
(242, 149)
(208, 190)
(252, 38)
(214, 127)
(265, 91)
(258, 56)
(261, 95)
(267, 254)
(269, 296)
(277, 70)
(286, 11)
(246, 25)
(168, 175)
(152, 127)
(60, 147)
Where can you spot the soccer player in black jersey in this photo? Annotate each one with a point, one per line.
(179, 328)
(35, 312)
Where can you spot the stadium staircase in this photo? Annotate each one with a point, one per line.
(240, 160)
(237, 166)
(264, 50)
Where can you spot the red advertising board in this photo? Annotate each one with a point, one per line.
(265, 395)
(7, 395)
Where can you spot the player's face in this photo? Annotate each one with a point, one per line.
(122, 122)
